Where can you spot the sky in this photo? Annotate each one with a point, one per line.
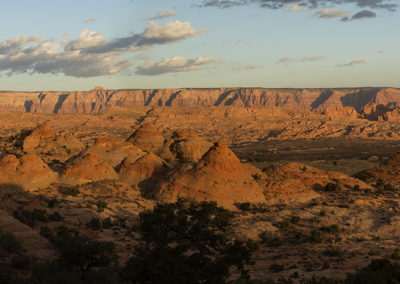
(144, 44)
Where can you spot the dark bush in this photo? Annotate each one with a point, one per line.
(185, 242)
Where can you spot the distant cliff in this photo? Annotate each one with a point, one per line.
(370, 103)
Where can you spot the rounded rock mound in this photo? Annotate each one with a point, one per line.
(146, 137)
(135, 169)
(88, 167)
(28, 171)
(113, 150)
(218, 176)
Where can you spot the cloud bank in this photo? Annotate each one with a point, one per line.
(353, 63)
(164, 14)
(175, 64)
(90, 54)
(390, 5)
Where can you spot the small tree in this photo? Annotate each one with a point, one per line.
(186, 242)
(84, 254)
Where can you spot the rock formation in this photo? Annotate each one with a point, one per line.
(186, 146)
(389, 171)
(113, 150)
(289, 179)
(44, 141)
(136, 169)
(28, 171)
(146, 137)
(88, 167)
(34, 244)
(99, 99)
(218, 176)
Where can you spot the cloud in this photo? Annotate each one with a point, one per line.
(91, 54)
(293, 8)
(353, 63)
(282, 4)
(153, 34)
(164, 14)
(91, 20)
(175, 64)
(312, 58)
(240, 67)
(288, 60)
(329, 14)
(365, 14)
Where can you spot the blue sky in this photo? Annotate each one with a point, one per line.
(76, 45)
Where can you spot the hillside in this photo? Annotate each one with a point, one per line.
(369, 103)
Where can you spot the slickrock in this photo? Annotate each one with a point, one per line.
(187, 146)
(289, 179)
(218, 176)
(136, 169)
(113, 150)
(88, 167)
(389, 171)
(146, 137)
(43, 140)
(98, 99)
(28, 171)
(34, 244)
(340, 111)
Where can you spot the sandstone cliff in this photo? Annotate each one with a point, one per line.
(346, 102)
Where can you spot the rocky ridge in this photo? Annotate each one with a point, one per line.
(370, 103)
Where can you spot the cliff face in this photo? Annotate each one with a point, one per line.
(371, 103)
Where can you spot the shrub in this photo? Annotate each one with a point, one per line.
(331, 187)
(270, 239)
(9, 242)
(55, 217)
(185, 241)
(94, 224)
(107, 223)
(101, 205)
(84, 254)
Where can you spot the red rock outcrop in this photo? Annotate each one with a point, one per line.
(389, 171)
(146, 137)
(218, 176)
(113, 150)
(295, 179)
(28, 171)
(88, 167)
(99, 99)
(135, 169)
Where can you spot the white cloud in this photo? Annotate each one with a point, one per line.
(287, 60)
(240, 67)
(329, 14)
(293, 8)
(164, 14)
(91, 20)
(312, 58)
(86, 39)
(353, 63)
(169, 32)
(92, 55)
(176, 64)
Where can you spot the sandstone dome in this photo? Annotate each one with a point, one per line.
(113, 150)
(88, 167)
(137, 169)
(146, 137)
(28, 171)
(218, 176)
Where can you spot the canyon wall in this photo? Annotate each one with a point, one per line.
(370, 103)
